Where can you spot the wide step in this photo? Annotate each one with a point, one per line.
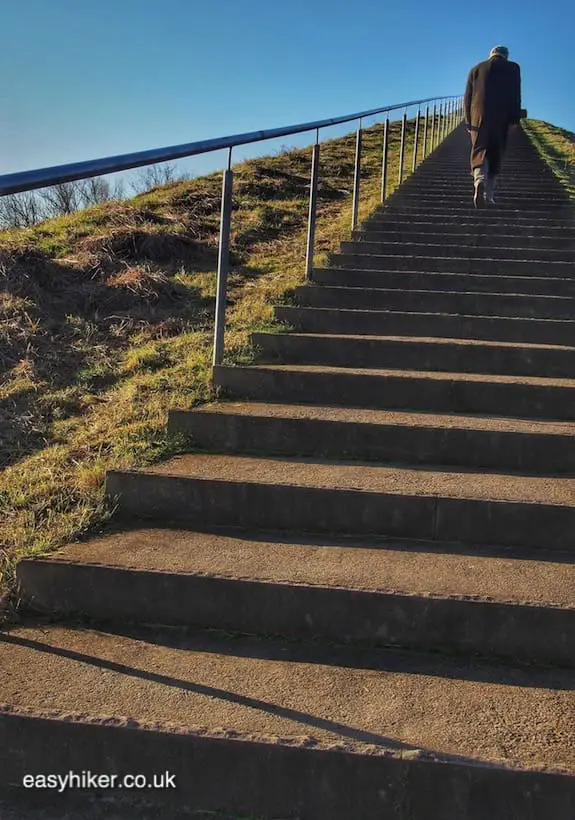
(380, 435)
(505, 253)
(377, 593)
(447, 282)
(298, 731)
(355, 497)
(467, 304)
(367, 255)
(427, 391)
(423, 324)
(407, 353)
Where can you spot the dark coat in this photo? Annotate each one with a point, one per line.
(493, 94)
(492, 103)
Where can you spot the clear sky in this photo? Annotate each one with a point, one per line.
(81, 79)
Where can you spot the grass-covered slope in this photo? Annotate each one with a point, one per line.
(106, 322)
(557, 147)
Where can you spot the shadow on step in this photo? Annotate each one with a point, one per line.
(304, 718)
(393, 662)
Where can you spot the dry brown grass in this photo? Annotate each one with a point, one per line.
(557, 147)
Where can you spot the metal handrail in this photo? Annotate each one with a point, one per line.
(437, 126)
(55, 175)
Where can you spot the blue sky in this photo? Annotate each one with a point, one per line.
(86, 78)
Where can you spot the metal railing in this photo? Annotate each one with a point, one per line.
(436, 126)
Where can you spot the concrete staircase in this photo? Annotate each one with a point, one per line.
(371, 549)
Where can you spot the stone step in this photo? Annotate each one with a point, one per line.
(458, 166)
(396, 323)
(445, 209)
(433, 190)
(493, 228)
(465, 282)
(438, 249)
(460, 175)
(432, 234)
(422, 199)
(356, 498)
(365, 255)
(408, 353)
(284, 729)
(479, 219)
(372, 592)
(429, 301)
(428, 179)
(483, 394)
(412, 438)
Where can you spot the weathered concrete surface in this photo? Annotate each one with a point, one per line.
(397, 323)
(446, 281)
(411, 596)
(432, 391)
(404, 353)
(380, 435)
(367, 700)
(468, 304)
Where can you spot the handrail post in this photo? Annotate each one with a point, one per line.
(223, 263)
(312, 209)
(425, 132)
(416, 141)
(440, 127)
(384, 159)
(402, 147)
(432, 139)
(356, 179)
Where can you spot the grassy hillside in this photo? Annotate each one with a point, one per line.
(557, 147)
(106, 322)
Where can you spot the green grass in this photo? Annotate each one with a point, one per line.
(106, 323)
(557, 147)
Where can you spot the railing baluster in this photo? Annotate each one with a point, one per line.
(425, 132)
(312, 208)
(384, 159)
(432, 140)
(356, 179)
(416, 141)
(223, 263)
(402, 147)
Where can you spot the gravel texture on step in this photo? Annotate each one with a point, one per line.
(385, 417)
(367, 477)
(380, 702)
(382, 565)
